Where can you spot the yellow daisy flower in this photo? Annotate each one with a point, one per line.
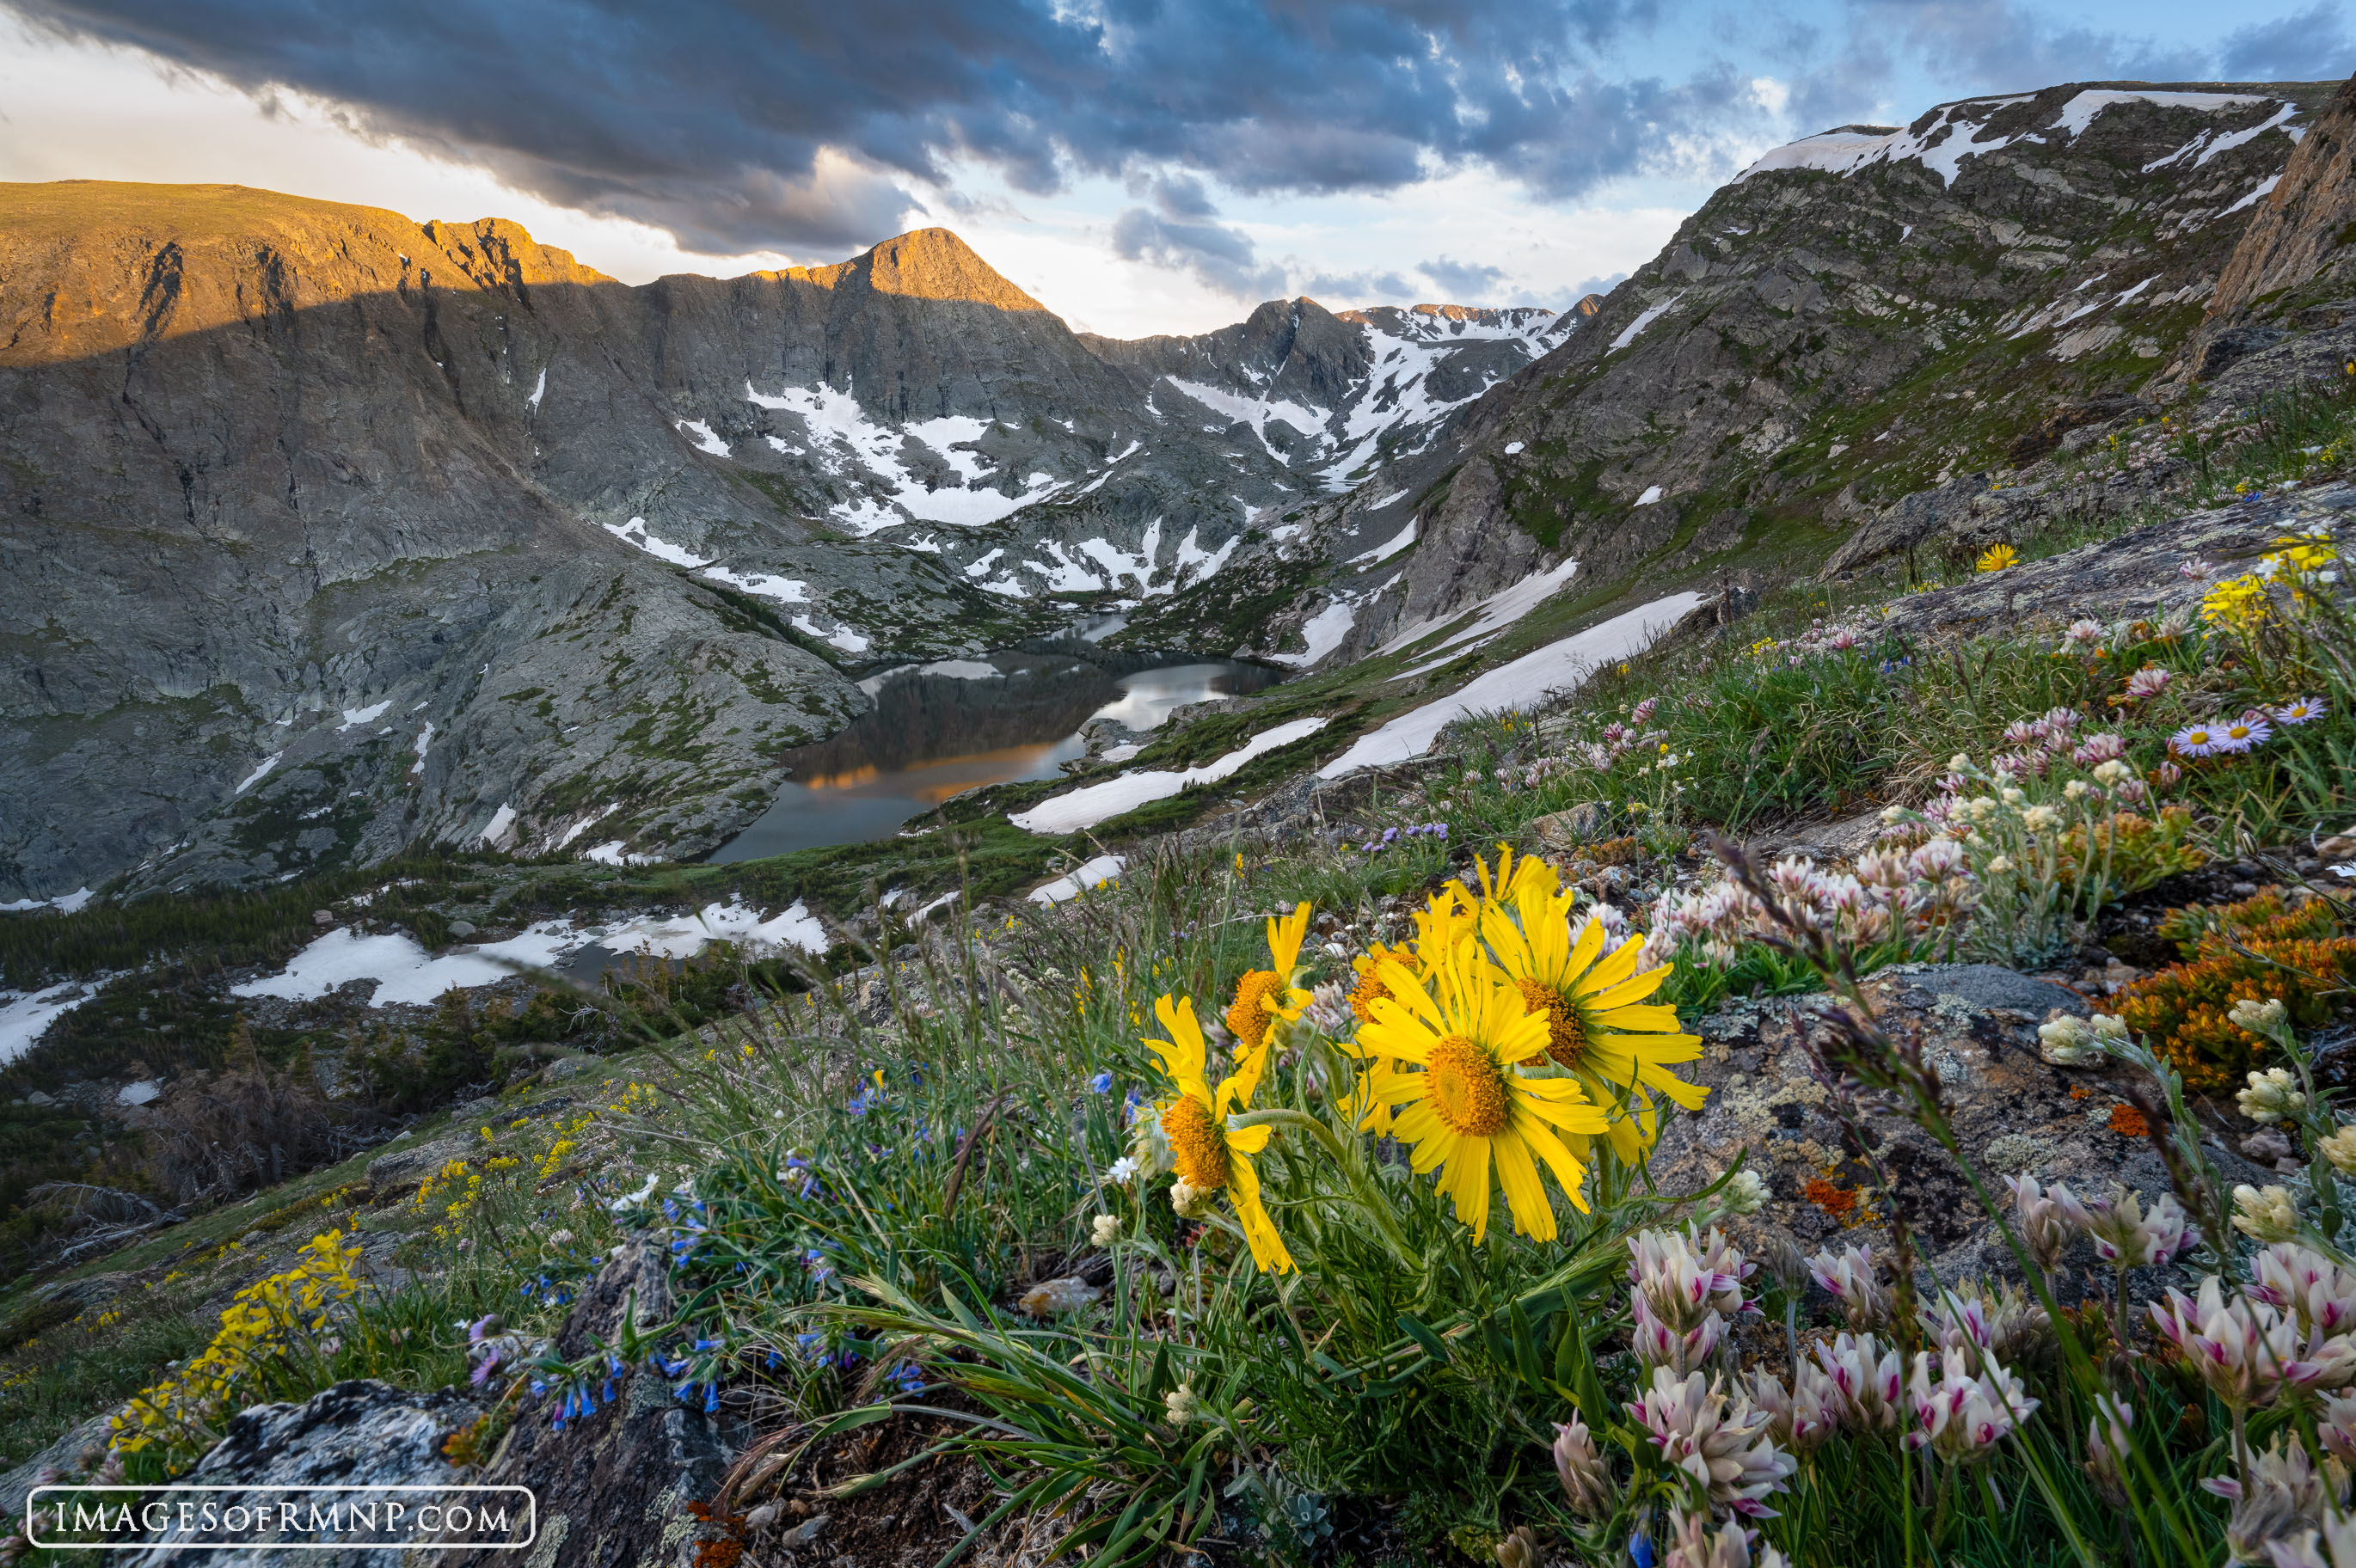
(1264, 995)
(1208, 1154)
(1467, 1107)
(1599, 1027)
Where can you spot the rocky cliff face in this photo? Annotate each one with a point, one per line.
(1861, 315)
(2297, 257)
(331, 532)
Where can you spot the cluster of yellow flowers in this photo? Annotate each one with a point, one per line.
(267, 1318)
(2300, 560)
(1497, 1040)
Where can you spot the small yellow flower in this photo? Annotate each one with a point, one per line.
(1996, 557)
(1265, 996)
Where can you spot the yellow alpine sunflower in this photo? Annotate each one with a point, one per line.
(1208, 1154)
(1466, 1106)
(1598, 1026)
(1264, 995)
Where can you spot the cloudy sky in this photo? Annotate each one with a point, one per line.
(1140, 165)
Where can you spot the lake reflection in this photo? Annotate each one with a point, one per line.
(933, 735)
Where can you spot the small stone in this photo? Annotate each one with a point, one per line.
(2267, 1146)
(322, 917)
(462, 928)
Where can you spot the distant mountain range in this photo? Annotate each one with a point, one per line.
(329, 532)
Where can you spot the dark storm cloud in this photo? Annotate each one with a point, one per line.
(1220, 257)
(707, 117)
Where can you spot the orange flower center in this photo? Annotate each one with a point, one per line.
(1566, 1041)
(1249, 1017)
(1468, 1091)
(1365, 994)
(1196, 1147)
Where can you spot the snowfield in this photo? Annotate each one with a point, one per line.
(1557, 666)
(1092, 804)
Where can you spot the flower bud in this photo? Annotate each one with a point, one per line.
(2258, 1016)
(2272, 1096)
(2265, 1214)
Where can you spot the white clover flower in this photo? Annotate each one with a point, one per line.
(2123, 1234)
(2313, 1288)
(1960, 1417)
(1850, 1279)
(2108, 1449)
(2273, 1096)
(2282, 1495)
(1586, 1479)
(2264, 1213)
(1869, 1378)
(2045, 1226)
(1724, 1447)
(2077, 789)
(2112, 772)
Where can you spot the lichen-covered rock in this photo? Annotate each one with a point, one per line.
(614, 1488)
(2012, 1113)
(357, 1433)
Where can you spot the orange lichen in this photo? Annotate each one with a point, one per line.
(2127, 1122)
(1837, 1202)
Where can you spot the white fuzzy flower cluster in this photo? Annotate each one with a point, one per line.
(1893, 893)
(2068, 1041)
(2273, 1096)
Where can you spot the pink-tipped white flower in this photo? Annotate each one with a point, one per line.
(2083, 633)
(2105, 746)
(2311, 1287)
(2123, 1234)
(1684, 1277)
(2282, 1499)
(1868, 1377)
(1692, 1543)
(1959, 1416)
(1805, 1417)
(2334, 1425)
(1724, 1447)
(1851, 1281)
(2109, 1448)
(1586, 1479)
(2246, 1350)
(2005, 1325)
(2045, 1224)
(2147, 682)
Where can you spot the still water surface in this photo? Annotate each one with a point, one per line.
(932, 736)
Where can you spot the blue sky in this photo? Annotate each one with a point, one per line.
(1140, 165)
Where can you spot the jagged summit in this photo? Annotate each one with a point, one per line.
(924, 263)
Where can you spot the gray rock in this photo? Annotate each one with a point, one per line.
(613, 1488)
(357, 1433)
(1986, 986)
(66, 1455)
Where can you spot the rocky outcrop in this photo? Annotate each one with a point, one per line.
(1860, 317)
(2153, 571)
(358, 1434)
(613, 1488)
(2013, 1114)
(2296, 251)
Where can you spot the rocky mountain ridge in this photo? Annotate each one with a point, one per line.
(333, 532)
(1861, 316)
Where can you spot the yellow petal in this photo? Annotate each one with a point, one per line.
(1634, 988)
(1517, 1173)
(1249, 1140)
(1610, 971)
(1468, 1184)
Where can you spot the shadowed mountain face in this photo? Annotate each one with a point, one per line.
(330, 531)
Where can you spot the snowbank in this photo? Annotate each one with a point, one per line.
(1086, 806)
(1525, 680)
(1096, 873)
(405, 972)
